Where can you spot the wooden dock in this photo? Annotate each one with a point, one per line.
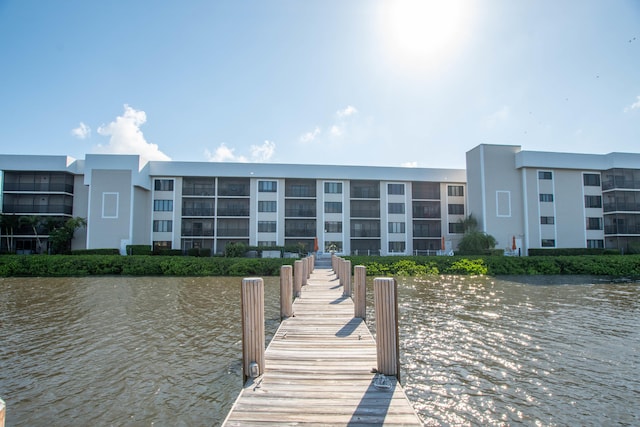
(319, 369)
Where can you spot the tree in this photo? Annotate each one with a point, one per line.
(9, 222)
(475, 242)
(34, 222)
(61, 236)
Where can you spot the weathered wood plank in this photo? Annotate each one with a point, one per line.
(319, 369)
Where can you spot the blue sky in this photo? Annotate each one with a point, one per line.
(411, 83)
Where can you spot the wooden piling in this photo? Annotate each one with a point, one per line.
(360, 292)
(286, 291)
(386, 309)
(305, 271)
(253, 338)
(297, 278)
(347, 277)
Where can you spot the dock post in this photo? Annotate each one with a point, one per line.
(305, 271)
(297, 278)
(360, 292)
(386, 308)
(286, 291)
(253, 338)
(2, 412)
(347, 278)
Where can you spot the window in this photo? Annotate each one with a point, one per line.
(333, 207)
(545, 175)
(333, 226)
(592, 201)
(266, 226)
(267, 186)
(267, 243)
(397, 227)
(455, 190)
(456, 228)
(333, 187)
(267, 206)
(396, 208)
(594, 223)
(456, 209)
(548, 243)
(547, 220)
(591, 179)
(161, 226)
(595, 243)
(544, 197)
(395, 188)
(160, 245)
(163, 185)
(163, 205)
(397, 246)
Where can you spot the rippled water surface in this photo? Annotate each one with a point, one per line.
(480, 351)
(166, 351)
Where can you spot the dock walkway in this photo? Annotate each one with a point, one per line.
(319, 369)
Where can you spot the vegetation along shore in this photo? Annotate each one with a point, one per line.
(627, 266)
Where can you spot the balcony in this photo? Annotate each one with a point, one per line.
(197, 211)
(38, 187)
(233, 232)
(37, 209)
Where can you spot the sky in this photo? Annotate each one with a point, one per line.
(413, 83)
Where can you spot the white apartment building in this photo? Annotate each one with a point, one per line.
(555, 200)
(184, 205)
(525, 199)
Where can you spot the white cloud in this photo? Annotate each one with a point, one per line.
(259, 153)
(409, 165)
(264, 152)
(634, 106)
(125, 137)
(82, 131)
(492, 120)
(310, 136)
(349, 111)
(336, 131)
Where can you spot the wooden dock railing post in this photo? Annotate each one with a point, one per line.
(2, 412)
(253, 338)
(386, 308)
(286, 291)
(360, 292)
(347, 278)
(297, 278)
(305, 271)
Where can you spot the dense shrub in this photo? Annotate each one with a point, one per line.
(139, 250)
(85, 265)
(572, 252)
(106, 251)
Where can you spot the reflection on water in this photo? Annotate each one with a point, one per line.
(166, 351)
(480, 351)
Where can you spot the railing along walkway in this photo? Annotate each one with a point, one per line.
(319, 369)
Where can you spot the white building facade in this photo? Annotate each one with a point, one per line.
(525, 199)
(185, 205)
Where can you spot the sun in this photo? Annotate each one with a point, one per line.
(423, 33)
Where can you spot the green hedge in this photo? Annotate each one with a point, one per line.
(106, 251)
(137, 265)
(615, 266)
(572, 252)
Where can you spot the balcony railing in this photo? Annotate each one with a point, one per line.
(304, 213)
(622, 229)
(197, 211)
(38, 209)
(229, 232)
(201, 233)
(39, 187)
(233, 211)
(624, 207)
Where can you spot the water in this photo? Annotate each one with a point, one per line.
(166, 351)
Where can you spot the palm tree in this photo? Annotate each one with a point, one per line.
(34, 222)
(9, 222)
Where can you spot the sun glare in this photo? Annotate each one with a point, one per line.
(423, 33)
